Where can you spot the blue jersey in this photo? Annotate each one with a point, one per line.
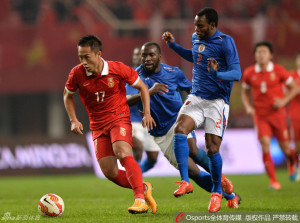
(165, 107)
(135, 115)
(222, 48)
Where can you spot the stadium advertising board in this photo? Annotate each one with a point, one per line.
(240, 152)
(44, 156)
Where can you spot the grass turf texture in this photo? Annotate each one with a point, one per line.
(89, 199)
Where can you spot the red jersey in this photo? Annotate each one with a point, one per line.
(266, 86)
(104, 95)
(294, 107)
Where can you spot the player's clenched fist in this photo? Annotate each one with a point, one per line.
(212, 63)
(168, 36)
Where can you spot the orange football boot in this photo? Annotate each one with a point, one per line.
(215, 202)
(184, 188)
(234, 202)
(226, 185)
(138, 207)
(149, 199)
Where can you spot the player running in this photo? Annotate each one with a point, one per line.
(140, 136)
(215, 66)
(266, 79)
(164, 81)
(101, 86)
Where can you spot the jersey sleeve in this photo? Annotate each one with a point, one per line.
(183, 83)
(71, 85)
(129, 75)
(230, 51)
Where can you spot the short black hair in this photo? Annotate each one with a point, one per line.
(211, 15)
(267, 44)
(153, 44)
(298, 54)
(92, 41)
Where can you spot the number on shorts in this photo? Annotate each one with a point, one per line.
(218, 123)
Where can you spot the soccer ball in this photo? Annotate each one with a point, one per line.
(51, 205)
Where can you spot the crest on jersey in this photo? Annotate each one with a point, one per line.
(122, 131)
(272, 76)
(201, 48)
(110, 82)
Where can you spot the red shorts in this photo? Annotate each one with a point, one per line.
(120, 130)
(277, 127)
(295, 129)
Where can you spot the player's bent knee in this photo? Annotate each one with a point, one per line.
(180, 129)
(212, 150)
(120, 154)
(109, 173)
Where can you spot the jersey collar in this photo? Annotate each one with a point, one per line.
(104, 70)
(217, 33)
(270, 67)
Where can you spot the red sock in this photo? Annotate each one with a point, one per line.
(269, 166)
(134, 176)
(121, 179)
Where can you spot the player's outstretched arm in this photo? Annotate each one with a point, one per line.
(233, 73)
(170, 41)
(147, 121)
(76, 126)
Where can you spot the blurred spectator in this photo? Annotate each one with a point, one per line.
(64, 9)
(121, 9)
(28, 9)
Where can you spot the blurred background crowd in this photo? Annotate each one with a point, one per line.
(38, 41)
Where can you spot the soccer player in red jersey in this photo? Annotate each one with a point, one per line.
(294, 114)
(266, 79)
(101, 86)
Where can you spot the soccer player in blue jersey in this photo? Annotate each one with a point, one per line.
(165, 102)
(142, 140)
(215, 66)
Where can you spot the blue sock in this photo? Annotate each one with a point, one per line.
(181, 151)
(202, 160)
(204, 181)
(228, 196)
(215, 166)
(146, 165)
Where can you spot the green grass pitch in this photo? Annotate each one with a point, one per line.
(89, 199)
